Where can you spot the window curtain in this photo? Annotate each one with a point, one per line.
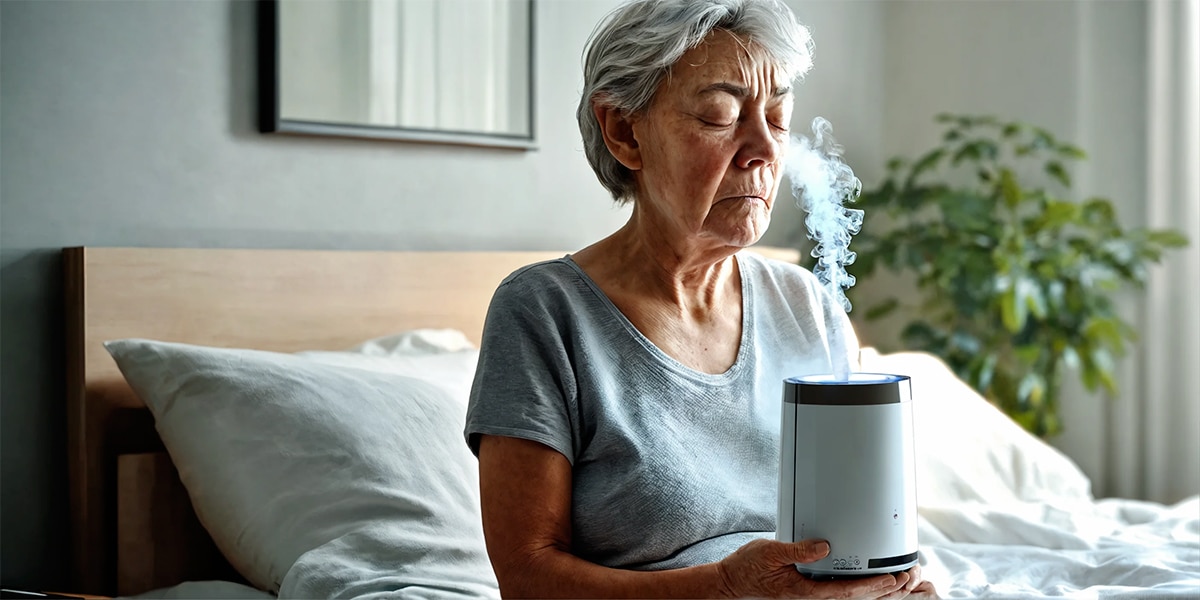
(1170, 369)
(445, 64)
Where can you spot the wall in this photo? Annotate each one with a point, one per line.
(131, 123)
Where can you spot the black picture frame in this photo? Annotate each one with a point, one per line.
(270, 121)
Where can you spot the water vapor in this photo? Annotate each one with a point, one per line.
(821, 183)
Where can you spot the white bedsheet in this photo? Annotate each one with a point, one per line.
(1101, 549)
(1006, 515)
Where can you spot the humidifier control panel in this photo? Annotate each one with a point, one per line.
(847, 563)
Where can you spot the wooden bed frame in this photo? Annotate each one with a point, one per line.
(133, 528)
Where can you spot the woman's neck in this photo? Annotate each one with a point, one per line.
(687, 273)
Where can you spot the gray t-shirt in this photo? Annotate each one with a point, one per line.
(672, 467)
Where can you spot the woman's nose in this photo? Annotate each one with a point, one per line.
(760, 144)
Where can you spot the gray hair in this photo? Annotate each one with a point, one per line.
(633, 49)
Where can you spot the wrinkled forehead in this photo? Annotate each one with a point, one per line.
(724, 56)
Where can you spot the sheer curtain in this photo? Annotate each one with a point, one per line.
(1170, 381)
(449, 64)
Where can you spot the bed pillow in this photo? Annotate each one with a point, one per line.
(322, 475)
(444, 357)
(967, 449)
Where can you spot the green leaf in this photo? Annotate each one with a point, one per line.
(1069, 151)
(1028, 354)
(1056, 170)
(967, 211)
(1026, 419)
(1031, 390)
(1011, 130)
(966, 342)
(1035, 301)
(1051, 425)
(975, 150)
(1013, 311)
(1071, 357)
(926, 163)
(1167, 238)
(1102, 360)
(1043, 139)
(1010, 190)
(1099, 212)
(987, 368)
(1105, 330)
(1055, 214)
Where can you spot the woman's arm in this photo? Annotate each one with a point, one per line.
(525, 488)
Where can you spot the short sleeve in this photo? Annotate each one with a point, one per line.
(524, 383)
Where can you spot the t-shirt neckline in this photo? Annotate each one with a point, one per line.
(745, 344)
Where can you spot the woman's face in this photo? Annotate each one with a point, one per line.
(711, 145)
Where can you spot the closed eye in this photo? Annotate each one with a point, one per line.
(712, 123)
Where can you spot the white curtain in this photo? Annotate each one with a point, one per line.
(448, 64)
(1170, 373)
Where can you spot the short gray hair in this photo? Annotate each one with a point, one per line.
(635, 46)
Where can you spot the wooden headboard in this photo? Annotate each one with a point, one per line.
(133, 528)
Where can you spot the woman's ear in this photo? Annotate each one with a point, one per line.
(618, 136)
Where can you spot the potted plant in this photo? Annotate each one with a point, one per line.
(1015, 279)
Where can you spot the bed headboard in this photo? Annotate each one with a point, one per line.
(132, 525)
(132, 528)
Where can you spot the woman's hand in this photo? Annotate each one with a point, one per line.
(766, 569)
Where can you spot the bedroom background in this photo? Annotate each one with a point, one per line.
(132, 123)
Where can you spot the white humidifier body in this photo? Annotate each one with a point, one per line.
(847, 473)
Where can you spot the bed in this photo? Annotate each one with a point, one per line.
(288, 423)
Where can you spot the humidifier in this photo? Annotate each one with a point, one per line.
(847, 473)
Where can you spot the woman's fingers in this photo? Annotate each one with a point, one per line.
(807, 551)
(926, 591)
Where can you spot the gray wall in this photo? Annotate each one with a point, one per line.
(131, 123)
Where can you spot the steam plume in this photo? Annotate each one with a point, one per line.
(821, 182)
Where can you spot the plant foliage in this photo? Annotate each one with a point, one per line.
(1016, 281)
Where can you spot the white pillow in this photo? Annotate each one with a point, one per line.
(322, 475)
(444, 357)
(967, 449)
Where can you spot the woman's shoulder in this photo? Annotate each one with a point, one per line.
(547, 283)
(538, 274)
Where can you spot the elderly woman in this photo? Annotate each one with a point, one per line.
(625, 410)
